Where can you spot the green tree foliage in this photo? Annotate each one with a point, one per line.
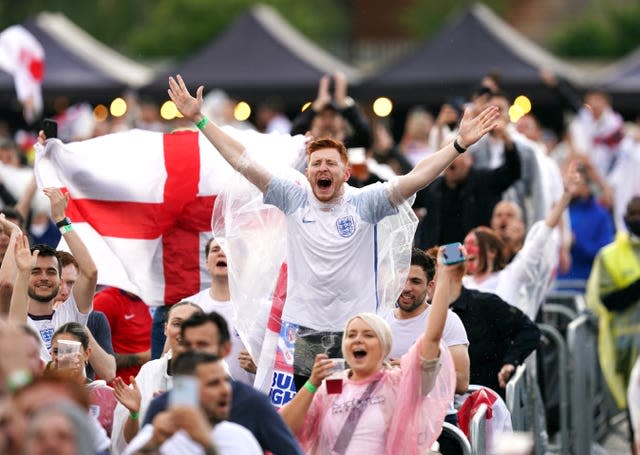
(425, 17)
(202, 20)
(609, 32)
(176, 28)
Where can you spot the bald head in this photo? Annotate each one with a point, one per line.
(508, 223)
(505, 212)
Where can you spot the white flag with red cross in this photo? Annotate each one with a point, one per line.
(22, 56)
(142, 202)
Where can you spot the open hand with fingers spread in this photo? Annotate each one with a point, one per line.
(188, 105)
(128, 395)
(25, 259)
(473, 128)
(59, 203)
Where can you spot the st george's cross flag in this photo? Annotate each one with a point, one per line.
(22, 56)
(142, 202)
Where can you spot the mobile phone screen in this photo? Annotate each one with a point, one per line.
(452, 253)
(185, 391)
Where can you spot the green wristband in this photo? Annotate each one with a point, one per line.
(310, 387)
(202, 122)
(134, 415)
(18, 379)
(66, 228)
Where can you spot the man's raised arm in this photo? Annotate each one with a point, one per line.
(230, 149)
(470, 131)
(85, 287)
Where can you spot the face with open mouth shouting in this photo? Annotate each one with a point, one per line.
(215, 391)
(216, 260)
(506, 219)
(327, 173)
(362, 349)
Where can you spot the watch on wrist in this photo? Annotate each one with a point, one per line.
(63, 222)
(459, 148)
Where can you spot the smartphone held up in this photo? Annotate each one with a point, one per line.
(453, 254)
(185, 391)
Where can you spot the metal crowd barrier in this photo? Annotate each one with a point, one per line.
(559, 310)
(517, 400)
(568, 287)
(457, 433)
(554, 335)
(584, 377)
(525, 404)
(585, 407)
(478, 431)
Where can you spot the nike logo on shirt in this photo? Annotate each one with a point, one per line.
(129, 316)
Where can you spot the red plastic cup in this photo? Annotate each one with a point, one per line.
(334, 381)
(334, 385)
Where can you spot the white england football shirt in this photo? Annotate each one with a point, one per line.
(331, 252)
(47, 325)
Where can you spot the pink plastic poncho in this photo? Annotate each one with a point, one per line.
(398, 418)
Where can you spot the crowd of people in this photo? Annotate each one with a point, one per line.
(87, 368)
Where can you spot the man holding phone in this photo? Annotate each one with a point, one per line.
(412, 311)
(196, 420)
(500, 335)
(250, 408)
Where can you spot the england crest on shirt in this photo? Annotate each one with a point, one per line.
(346, 226)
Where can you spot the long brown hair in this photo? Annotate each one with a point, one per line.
(488, 241)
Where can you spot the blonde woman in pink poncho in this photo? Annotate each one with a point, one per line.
(381, 409)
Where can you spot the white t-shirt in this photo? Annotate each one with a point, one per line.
(225, 309)
(229, 439)
(488, 285)
(151, 379)
(47, 325)
(407, 331)
(331, 252)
